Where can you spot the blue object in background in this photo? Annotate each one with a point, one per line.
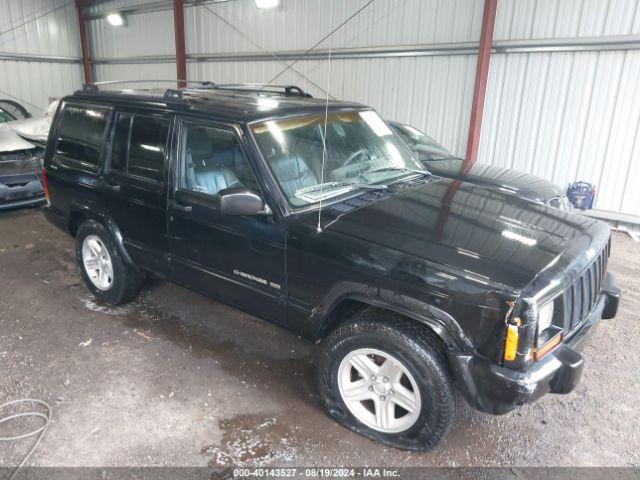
(581, 195)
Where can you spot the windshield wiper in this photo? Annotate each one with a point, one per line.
(333, 185)
(381, 186)
(396, 168)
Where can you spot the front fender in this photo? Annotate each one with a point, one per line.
(442, 323)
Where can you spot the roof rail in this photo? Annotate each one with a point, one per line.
(287, 90)
(93, 86)
(171, 96)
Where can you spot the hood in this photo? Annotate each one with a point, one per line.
(507, 180)
(490, 236)
(10, 141)
(35, 130)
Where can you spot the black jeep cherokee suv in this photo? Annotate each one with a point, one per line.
(324, 222)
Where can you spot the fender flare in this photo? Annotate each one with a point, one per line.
(441, 322)
(102, 217)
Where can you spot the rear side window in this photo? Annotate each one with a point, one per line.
(147, 147)
(81, 134)
(139, 143)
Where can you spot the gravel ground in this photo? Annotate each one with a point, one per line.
(176, 379)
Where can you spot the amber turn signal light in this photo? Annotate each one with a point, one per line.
(511, 343)
(538, 353)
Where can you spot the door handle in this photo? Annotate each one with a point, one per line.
(181, 208)
(114, 187)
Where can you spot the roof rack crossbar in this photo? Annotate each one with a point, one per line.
(288, 90)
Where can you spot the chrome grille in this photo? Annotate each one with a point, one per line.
(582, 296)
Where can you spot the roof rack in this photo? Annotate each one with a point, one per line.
(176, 97)
(289, 90)
(93, 86)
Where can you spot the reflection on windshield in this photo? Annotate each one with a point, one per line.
(424, 146)
(362, 153)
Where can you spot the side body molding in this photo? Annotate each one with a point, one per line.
(443, 324)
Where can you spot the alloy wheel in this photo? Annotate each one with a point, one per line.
(379, 390)
(97, 262)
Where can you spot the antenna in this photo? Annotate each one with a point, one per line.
(260, 47)
(290, 65)
(324, 135)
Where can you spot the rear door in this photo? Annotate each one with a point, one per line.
(133, 185)
(77, 154)
(237, 259)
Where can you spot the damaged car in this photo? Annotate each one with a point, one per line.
(439, 161)
(10, 110)
(318, 217)
(20, 165)
(22, 145)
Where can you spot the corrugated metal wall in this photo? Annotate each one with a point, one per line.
(568, 115)
(563, 115)
(56, 34)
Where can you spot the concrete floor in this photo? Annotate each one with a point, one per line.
(177, 379)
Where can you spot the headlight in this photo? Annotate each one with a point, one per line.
(549, 335)
(545, 316)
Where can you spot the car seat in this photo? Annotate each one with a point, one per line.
(293, 173)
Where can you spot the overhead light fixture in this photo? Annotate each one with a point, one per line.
(263, 4)
(115, 19)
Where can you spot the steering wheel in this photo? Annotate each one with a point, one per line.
(353, 156)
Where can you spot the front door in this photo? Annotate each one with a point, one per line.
(237, 259)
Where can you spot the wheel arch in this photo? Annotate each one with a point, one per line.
(338, 306)
(79, 213)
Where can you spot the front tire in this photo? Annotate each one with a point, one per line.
(103, 270)
(387, 378)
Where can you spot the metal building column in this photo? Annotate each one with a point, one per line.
(181, 57)
(480, 89)
(84, 40)
(477, 109)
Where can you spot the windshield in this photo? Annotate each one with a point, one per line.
(425, 147)
(362, 152)
(6, 117)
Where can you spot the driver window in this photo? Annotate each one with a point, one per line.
(212, 161)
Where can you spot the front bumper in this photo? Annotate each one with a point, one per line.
(20, 191)
(494, 389)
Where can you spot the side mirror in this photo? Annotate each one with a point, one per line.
(242, 201)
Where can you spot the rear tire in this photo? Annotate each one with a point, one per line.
(103, 270)
(417, 410)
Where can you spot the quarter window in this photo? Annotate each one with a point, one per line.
(81, 134)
